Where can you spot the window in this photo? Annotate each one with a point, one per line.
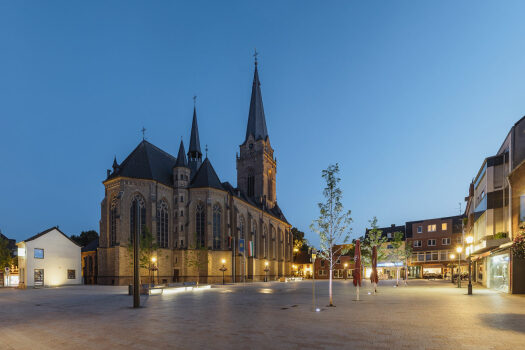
(251, 186)
(459, 240)
(254, 238)
(241, 227)
(137, 217)
(421, 257)
(420, 229)
(113, 222)
(162, 225)
(265, 241)
(321, 272)
(431, 242)
(417, 243)
(200, 226)
(270, 186)
(39, 253)
(181, 213)
(322, 263)
(431, 228)
(444, 226)
(445, 241)
(390, 246)
(182, 199)
(39, 277)
(71, 274)
(389, 235)
(181, 228)
(339, 273)
(182, 243)
(216, 226)
(444, 255)
(435, 256)
(428, 256)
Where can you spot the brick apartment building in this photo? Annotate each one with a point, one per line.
(433, 241)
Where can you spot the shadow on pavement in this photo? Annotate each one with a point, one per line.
(509, 322)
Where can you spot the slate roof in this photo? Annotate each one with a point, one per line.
(181, 156)
(91, 246)
(390, 229)
(275, 211)
(47, 231)
(256, 120)
(147, 162)
(206, 177)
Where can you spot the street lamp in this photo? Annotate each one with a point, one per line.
(470, 239)
(223, 269)
(452, 256)
(346, 271)
(153, 261)
(266, 269)
(459, 249)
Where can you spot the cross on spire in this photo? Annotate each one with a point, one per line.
(206, 151)
(255, 54)
(194, 100)
(143, 133)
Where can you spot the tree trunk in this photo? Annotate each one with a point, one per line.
(330, 287)
(397, 276)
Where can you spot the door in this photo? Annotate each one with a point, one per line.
(39, 277)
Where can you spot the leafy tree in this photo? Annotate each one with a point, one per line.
(299, 242)
(85, 237)
(397, 252)
(147, 249)
(6, 258)
(333, 224)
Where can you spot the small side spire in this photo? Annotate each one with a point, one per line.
(181, 156)
(115, 164)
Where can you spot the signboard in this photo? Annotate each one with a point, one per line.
(241, 245)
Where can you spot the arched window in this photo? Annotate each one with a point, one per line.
(216, 226)
(241, 227)
(200, 220)
(113, 222)
(265, 242)
(162, 225)
(251, 183)
(137, 216)
(254, 238)
(273, 242)
(270, 186)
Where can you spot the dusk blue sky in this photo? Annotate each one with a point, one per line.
(408, 97)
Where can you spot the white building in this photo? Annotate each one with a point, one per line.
(49, 258)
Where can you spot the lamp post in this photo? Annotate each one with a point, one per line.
(314, 255)
(223, 269)
(459, 249)
(470, 239)
(346, 271)
(153, 261)
(266, 269)
(452, 256)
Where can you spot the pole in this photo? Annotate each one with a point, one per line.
(469, 275)
(136, 277)
(313, 284)
(459, 270)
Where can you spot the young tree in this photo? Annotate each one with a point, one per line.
(397, 252)
(374, 238)
(333, 224)
(406, 254)
(147, 249)
(197, 257)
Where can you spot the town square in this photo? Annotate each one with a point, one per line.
(262, 175)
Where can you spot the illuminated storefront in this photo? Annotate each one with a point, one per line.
(498, 272)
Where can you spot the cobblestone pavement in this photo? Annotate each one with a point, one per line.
(424, 315)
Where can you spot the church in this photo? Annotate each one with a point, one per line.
(202, 227)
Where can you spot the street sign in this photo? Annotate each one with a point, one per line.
(7, 270)
(241, 245)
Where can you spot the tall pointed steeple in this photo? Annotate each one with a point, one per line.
(194, 152)
(256, 120)
(181, 156)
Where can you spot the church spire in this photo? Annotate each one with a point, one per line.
(194, 152)
(256, 119)
(181, 156)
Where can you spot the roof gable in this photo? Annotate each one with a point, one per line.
(206, 177)
(38, 235)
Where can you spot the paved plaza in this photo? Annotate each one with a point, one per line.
(424, 315)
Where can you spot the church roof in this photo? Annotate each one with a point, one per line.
(147, 162)
(275, 211)
(181, 156)
(206, 177)
(256, 120)
(195, 143)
